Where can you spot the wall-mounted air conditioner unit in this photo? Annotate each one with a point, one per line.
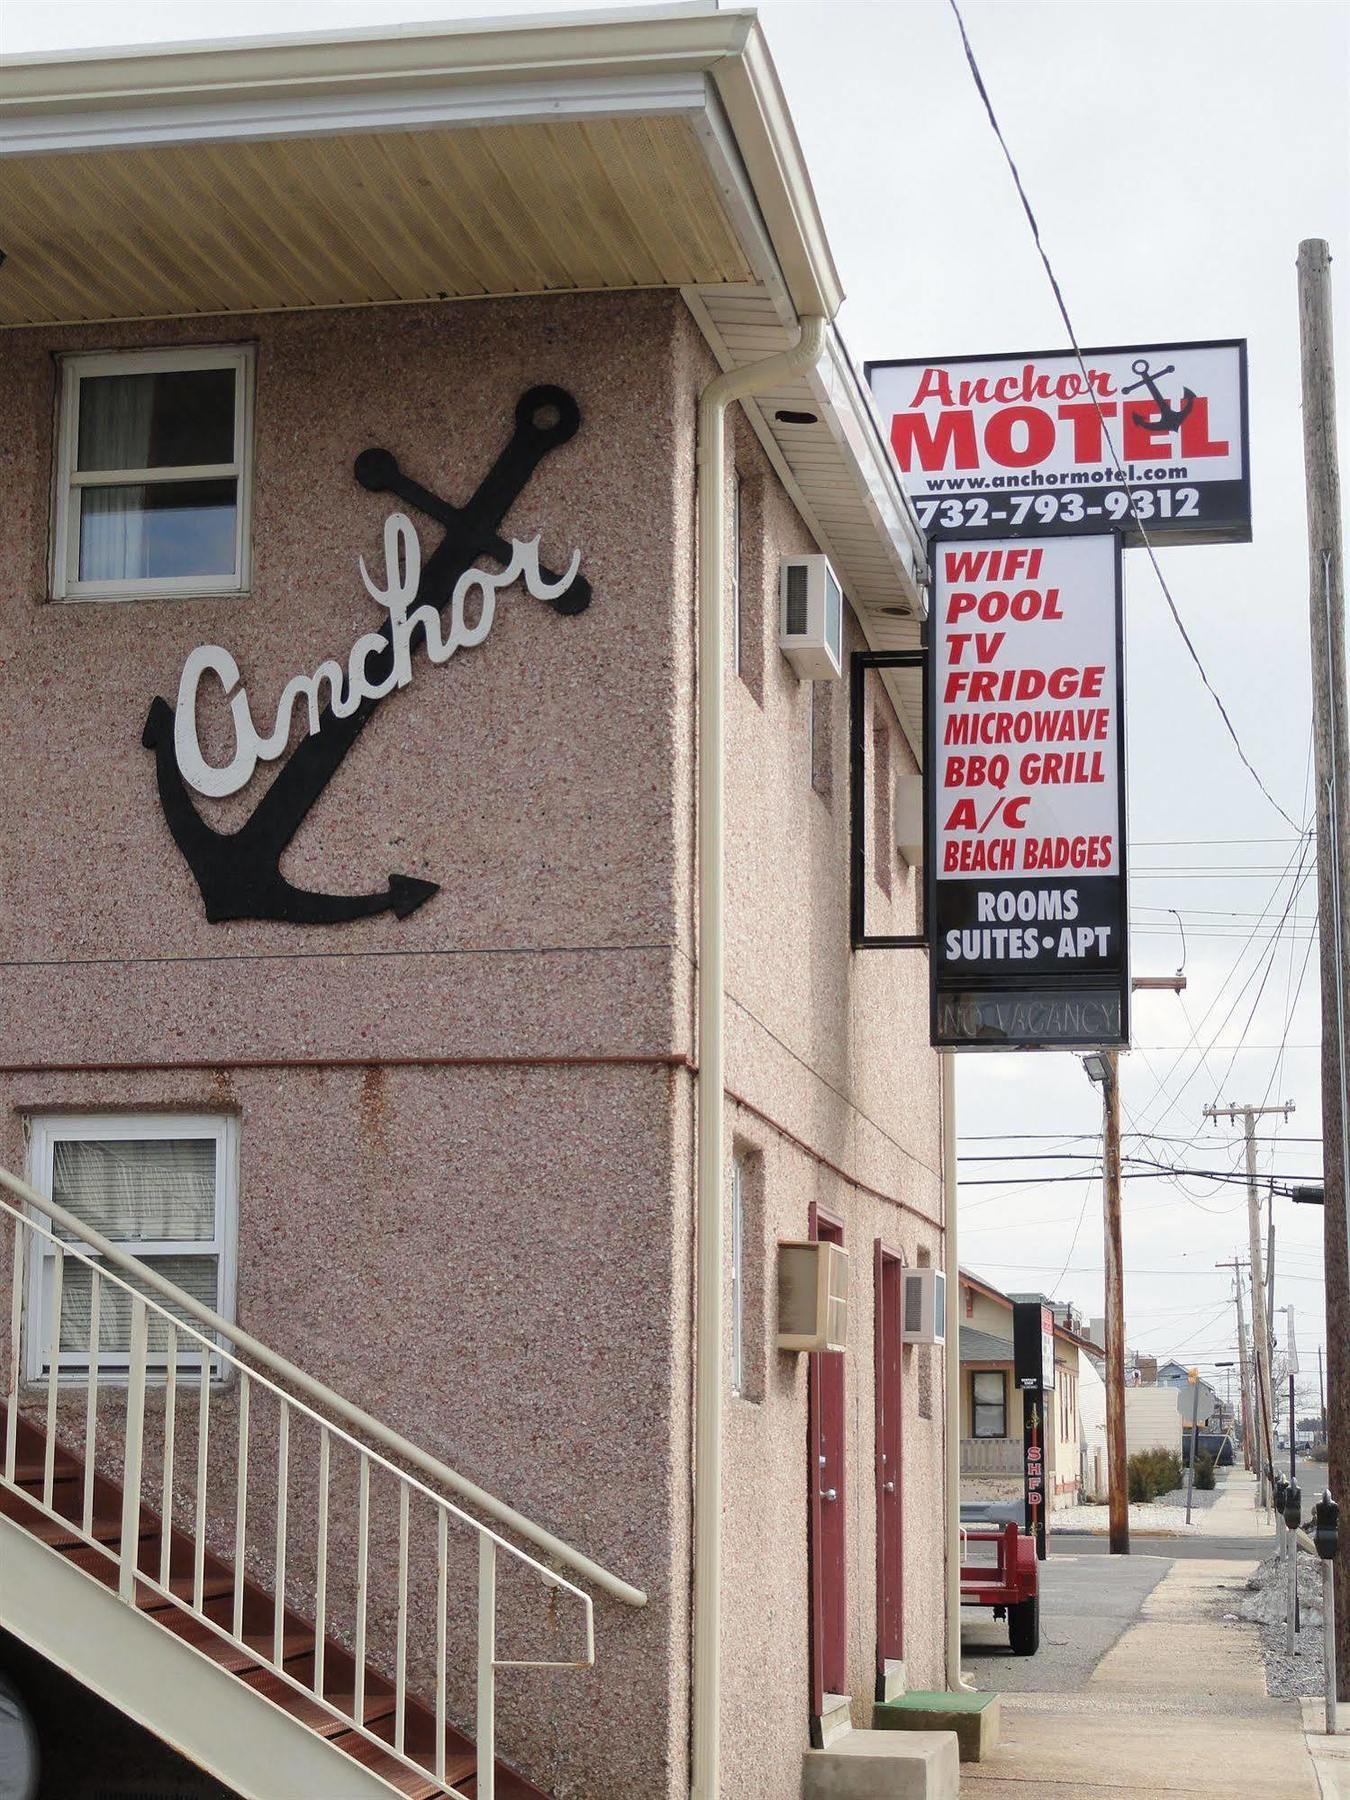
(810, 617)
(909, 818)
(812, 1296)
(924, 1319)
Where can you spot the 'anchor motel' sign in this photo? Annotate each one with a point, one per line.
(1151, 441)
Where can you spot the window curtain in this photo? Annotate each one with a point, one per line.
(115, 419)
(139, 1190)
(134, 1191)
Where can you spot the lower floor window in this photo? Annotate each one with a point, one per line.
(988, 1404)
(160, 1186)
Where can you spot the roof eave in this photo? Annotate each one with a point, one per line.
(36, 92)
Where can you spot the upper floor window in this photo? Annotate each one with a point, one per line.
(162, 1187)
(152, 493)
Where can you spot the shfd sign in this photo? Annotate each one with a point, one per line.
(996, 444)
(1027, 894)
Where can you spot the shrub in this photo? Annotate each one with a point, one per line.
(1153, 1472)
(1204, 1470)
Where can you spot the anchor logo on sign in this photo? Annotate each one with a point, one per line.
(1169, 417)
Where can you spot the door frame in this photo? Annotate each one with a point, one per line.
(888, 1375)
(822, 1227)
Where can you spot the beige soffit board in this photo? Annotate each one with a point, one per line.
(247, 226)
(654, 62)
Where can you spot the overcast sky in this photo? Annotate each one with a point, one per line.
(1175, 154)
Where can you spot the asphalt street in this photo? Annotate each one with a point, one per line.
(1086, 1603)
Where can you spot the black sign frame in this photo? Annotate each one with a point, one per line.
(1048, 985)
(860, 662)
(1234, 529)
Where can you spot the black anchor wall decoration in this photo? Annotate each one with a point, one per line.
(1169, 417)
(239, 871)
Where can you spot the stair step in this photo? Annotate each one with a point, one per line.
(183, 1587)
(308, 1711)
(256, 1650)
(405, 1781)
(63, 1534)
(32, 1473)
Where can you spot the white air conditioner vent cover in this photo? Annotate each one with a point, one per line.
(811, 617)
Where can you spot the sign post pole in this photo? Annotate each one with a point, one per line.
(1117, 1463)
(1034, 1373)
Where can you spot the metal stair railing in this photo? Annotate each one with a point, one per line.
(192, 1340)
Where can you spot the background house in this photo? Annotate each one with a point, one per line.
(991, 1405)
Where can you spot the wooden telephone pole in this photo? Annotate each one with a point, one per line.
(1331, 752)
(1265, 1448)
(1244, 1376)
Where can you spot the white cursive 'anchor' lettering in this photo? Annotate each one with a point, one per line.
(347, 689)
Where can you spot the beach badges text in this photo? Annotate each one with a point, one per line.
(441, 606)
(1027, 794)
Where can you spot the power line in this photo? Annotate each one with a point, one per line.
(1091, 389)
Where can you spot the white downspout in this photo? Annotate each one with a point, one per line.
(952, 1266)
(717, 396)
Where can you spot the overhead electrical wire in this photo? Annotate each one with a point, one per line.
(1091, 389)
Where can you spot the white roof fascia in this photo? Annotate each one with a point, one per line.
(327, 114)
(852, 419)
(757, 108)
(469, 50)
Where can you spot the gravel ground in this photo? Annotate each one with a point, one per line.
(1166, 1514)
(1263, 1602)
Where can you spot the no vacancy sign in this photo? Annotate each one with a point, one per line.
(1027, 893)
(995, 444)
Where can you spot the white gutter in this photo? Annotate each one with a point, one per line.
(952, 1266)
(717, 396)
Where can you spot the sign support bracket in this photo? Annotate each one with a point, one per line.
(860, 663)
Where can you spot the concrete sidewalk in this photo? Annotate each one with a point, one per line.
(1177, 1705)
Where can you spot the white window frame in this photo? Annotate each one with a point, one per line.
(736, 1361)
(70, 481)
(49, 1129)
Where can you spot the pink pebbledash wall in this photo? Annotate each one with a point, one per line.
(466, 1138)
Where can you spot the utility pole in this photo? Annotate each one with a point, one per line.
(1331, 761)
(1103, 1070)
(1270, 1274)
(1244, 1376)
(1321, 1395)
(1265, 1447)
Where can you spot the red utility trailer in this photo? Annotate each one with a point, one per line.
(1008, 1583)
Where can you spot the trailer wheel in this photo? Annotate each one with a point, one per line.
(1024, 1626)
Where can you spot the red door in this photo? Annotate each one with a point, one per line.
(890, 1515)
(829, 1589)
